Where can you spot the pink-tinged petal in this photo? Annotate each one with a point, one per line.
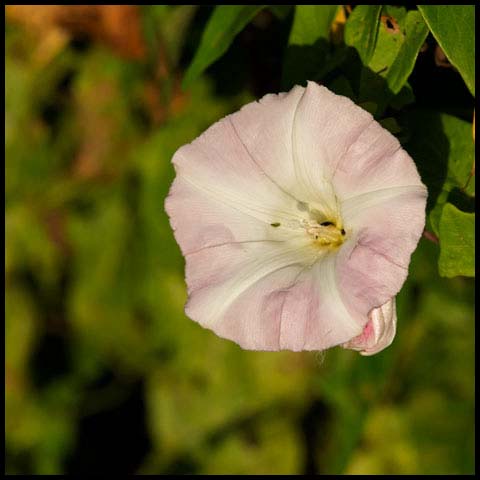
(314, 316)
(374, 162)
(217, 276)
(299, 138)
(218, 164)
(271, 302)
(265, 128)
(378, 333)
(253, 319)
(372, 264)
(353, 210)
(199, 221)
(324, 128)
(339, 143)
(231, 289)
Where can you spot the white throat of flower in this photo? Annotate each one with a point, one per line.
(320, 227)
(325, 234)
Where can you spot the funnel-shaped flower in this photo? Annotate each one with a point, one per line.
(297, 217)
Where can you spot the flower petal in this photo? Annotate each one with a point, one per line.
(265, 128)
(378, 333)
(375, 162)
(299, 138)
(373, 262)
(314, 315)
(217, 276)
(253, 319)
(269, 301)
(218, 165)
(354, 209)
(325, 126)
(200, 221)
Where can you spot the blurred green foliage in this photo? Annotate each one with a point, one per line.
(104, 372)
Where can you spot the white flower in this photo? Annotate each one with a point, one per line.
(297, 217)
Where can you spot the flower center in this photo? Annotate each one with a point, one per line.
(325, 234)
(322, 224)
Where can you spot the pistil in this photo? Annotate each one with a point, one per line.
(326, 234)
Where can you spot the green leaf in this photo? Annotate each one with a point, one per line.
(400, 37)
(443, 149)
(308, 44)
(311, 22)
(457, 242)
(391, 125)
(404, 97)
(341, 86)
(415, 34)
(280, 11)
(224, 24)
(361, 30)
(453, 26)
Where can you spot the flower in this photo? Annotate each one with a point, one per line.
(297, 217)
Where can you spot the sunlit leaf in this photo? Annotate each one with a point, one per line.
(400, 37)
(415, 34)
(361, 30)
(457, 242)
(453, 26)
(308, 43)
(311, 22)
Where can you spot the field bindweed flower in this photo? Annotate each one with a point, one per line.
(297, 217)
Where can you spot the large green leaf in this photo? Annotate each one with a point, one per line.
(415, 34)
(311, 22)
(457, 242)
(443, 149)
(361, 30)
(400, 37)
(224, 24)
(453, 26)
(308, 43)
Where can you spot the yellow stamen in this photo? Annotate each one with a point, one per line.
(326, 234)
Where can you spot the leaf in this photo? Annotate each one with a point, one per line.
(224, 24)
(415, 34)
(361, 30)
(404, 97)
(341, 86)
(311, 22)
(457, 242)
(391, 125)
(443, 150)
(443, 143)
(400, 37)
(280, 11)
(308, 43)
(453, 26)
